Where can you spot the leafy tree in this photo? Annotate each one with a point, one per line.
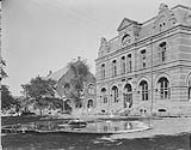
(78, 74)
(8, 100)
(3, 74)
(40, 92)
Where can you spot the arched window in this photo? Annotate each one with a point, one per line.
(162, 51)
(91, 89)
(123, 65)
(103, 71)
(127, 95)
(67, 86)
(103, 95)
(144, 90)
(164, 88)
(129, 63)
(114, 68)
(90, 103)
(115, 94)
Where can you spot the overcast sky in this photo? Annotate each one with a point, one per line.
(43, 35)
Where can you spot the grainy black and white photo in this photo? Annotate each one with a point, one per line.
(95, 74)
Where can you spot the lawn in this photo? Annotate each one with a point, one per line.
(9, 120)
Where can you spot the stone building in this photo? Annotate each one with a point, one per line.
(147, 66)
(64, 87)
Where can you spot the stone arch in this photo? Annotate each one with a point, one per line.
(128, 81)
(143, 89)
(115, 93)
(128, 95)
(162, 75)
(90, 104)
(114, 84)
(162, 50)
(91, 88)
(143, 78)
(162, 86)
(103, 95)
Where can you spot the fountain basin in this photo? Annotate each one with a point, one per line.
(96, 127)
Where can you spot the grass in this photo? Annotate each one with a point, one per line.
(10, 120)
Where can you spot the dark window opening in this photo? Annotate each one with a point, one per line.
(103, 71)
(114, 68)
(164, 88)
(161, 110)
(144, 90)
(162, 52)
(123, 65)
(66, 85)
(129, 63)
(115, 94)
(143, 58)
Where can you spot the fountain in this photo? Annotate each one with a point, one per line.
(82, 127)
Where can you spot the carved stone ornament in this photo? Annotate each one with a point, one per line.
(163, 7)
(104, 46)
(165, 18)
(103, 41)
(126, 39)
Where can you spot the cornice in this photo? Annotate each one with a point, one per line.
(150, 39)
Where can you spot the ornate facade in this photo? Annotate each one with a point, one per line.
(147, 67)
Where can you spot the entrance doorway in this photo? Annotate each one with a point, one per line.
(128, 96)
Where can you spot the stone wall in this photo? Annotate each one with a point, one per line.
(168, 32)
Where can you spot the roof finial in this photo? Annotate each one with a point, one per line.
(163, 7)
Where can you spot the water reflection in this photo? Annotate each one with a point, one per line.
(91, 127)
(61, 140)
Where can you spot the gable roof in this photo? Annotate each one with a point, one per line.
(125, 23)
(58, 74)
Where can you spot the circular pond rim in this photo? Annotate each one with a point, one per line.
(10, 129)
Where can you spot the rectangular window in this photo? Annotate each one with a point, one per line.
(143, 58)
(123, 66)
(163, 56)
(104, 99)
(129, 63)
(114, 68)
(162, 49)
(103, 71)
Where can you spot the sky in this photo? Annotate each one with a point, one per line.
(43, 35)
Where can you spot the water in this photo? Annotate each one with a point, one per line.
(93, 127)
(123, 141)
